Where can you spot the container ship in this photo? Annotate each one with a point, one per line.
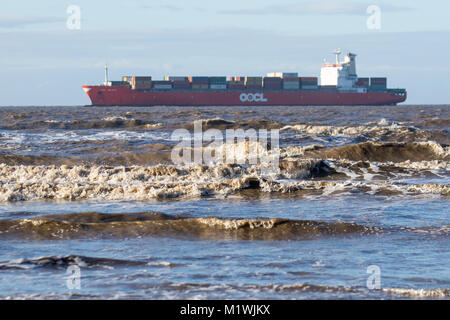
(338, 85)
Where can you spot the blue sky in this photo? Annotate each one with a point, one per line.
(42, 62)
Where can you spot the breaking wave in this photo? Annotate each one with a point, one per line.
(131, 225)
(385, 152)
(104, 123)
(20, 183)
(101, 225)
(65, 261)
(380, 131)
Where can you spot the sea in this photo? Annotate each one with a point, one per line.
(93, 205)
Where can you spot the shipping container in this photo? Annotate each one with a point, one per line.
(283, 74)
(272, 80)
(272, 86)
(199, 86)
(378, 81)
(253, 81)
(140, 82)
(199, 79)
(253, 86)
(162, 82)
(162, 86)
(119, 83)
(176, 78)
(217, 80)
(236, 79)
(290, 75)
(309, 87)
(291, 85)
(140, 79)
(362, 82)
(291, 79)
(236, 86)
(181, 85)
(308, 79)
(327, 87)
(275, 74)
(378, 87)
(217, 86)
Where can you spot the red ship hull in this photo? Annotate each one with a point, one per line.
(125, 96)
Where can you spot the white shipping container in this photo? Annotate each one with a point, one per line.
(171, 78)
(218, 86)
(283, 74)
(275, 74)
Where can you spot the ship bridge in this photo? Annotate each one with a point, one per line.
(341, 74)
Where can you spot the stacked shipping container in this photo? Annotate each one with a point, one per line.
(253, 82)
(308, 83)
(272, 83)
(162, 85)
(378, 83)
(236, 83)
(282, 74)
(178, 82)
(141, 82)
(218, 83)
(120, 83)
(362, 82)
(199, 83)
(291, 83)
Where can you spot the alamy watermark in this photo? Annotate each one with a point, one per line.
(374, 280)
(73, 280)
(373, 22)
(74, 20)
(233, 146)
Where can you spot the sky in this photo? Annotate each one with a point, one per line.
(45, 62)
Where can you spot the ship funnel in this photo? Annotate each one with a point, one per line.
(350, 60)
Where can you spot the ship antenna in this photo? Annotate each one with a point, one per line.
(106, 74)
(337, 53)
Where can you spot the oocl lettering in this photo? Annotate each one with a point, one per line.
(252, 97)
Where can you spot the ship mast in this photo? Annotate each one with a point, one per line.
(106, 75)
(337, 52)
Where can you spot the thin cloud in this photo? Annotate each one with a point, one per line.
(325, 7)
(14, 21)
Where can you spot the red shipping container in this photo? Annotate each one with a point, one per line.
(308, 79)
(272, 79)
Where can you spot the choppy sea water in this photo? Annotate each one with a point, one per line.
(94, 190)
